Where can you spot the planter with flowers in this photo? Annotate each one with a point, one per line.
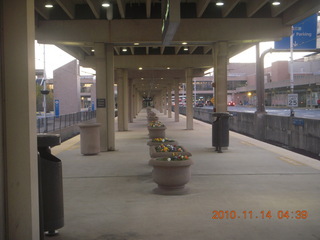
(152, 117)
(157, 129)
(159, 141)
(171, 174)
(166, 150)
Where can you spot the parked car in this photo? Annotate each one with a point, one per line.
(199, 104)
(231, 103)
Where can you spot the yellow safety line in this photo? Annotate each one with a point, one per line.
(291, 161)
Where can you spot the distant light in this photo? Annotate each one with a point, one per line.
(105, 4)
(124, 49)
(92, 50)
(185, 49)
(184, 43)
(136, 44)
(276, 3)
(48, 4)
(168, 68)
(219, 3)
(140, 68)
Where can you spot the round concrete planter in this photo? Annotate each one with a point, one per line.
(157, 132)
(155, 154)
(90, 138)
(171, 176)
(152, 119)
(152, 143)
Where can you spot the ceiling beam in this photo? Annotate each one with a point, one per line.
(122, 8)
(95, 8)
(148, 8)
(73, 51)
(228, 7)
(149, 31)
(201, 7)
(171, 22)
(300, 11)
(285, 4)
(68, 7)
(254, 6)
(39, 7)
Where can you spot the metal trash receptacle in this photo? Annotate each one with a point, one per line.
(220, 130)
(50, 185)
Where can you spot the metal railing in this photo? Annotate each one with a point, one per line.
(52, 123)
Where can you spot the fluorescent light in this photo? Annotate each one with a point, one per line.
(276, 3)
(140, 68)
(219, 3)
(124, 49)
(184, 43)
(185, 49)
(105, 4)
(48, 4)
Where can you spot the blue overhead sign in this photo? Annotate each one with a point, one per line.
(304, 35)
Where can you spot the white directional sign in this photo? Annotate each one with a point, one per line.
(292, 100)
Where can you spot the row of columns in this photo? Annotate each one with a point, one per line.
(19, 184)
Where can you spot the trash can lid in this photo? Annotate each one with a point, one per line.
(87, 125)
(48, 139)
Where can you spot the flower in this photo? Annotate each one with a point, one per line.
(162, 140)
(175, 157)
(156, 124)
(168, 148)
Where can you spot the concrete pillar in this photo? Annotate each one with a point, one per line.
(122, 79)
(165, 101)
(105, 95)
(18, 91)
(130, 100)
(189, 91)
(135, 101)
(176, 101)
(169, 90)
(160, 102)
(220, 75)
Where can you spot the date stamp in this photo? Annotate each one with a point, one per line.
(263, 214)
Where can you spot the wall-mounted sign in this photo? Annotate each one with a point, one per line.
(56, 108)
(101, 102)
(293, 100)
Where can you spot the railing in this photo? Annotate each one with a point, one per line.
(52, 123)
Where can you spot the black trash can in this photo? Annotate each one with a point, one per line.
(50, 185)
(220, 130)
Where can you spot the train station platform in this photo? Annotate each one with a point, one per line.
(251, 191)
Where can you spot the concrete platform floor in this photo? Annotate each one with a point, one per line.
(109, 196)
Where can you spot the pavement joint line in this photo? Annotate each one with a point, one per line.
(196, 175)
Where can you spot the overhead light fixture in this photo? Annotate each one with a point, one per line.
(92, 50)
(48, 4)
(184, 43)
(124, 49)
(185, 49)
(136, 44)
(219, 3)
(168, 68)
(140, 68)
(276, 3)
(105, 4)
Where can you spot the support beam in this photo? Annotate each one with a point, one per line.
(189, 110)
(101, 91)
(255, 6)
(176, 101)
(300, 11)
(122, 83)
(122, 8)
(148, 8)
(95, 8)
(169, 90)
(19, 152)
(68, 7)
(201, 7)
(130, 100)
(221, 75)
(228, 7)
